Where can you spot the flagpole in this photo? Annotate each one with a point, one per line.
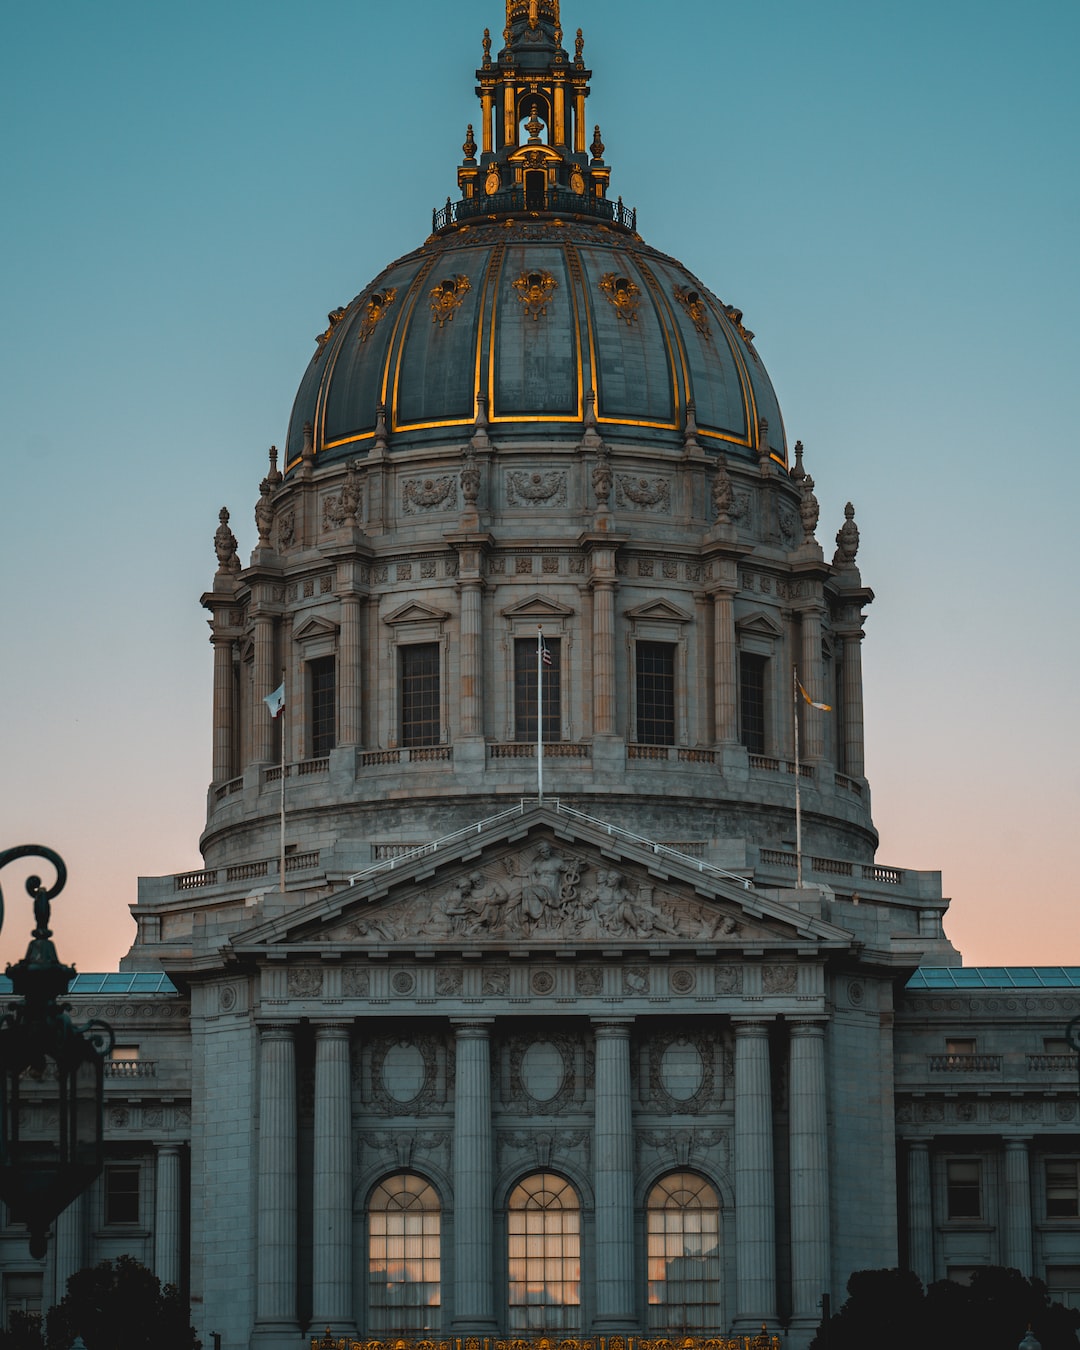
(284, 724)
(798, 779)
(539, 715)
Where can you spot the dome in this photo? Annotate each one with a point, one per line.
(534, 298)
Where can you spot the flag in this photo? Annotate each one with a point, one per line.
(276, 701)
(545, 655)
(824, 707)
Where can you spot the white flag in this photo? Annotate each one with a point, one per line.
(276, 701)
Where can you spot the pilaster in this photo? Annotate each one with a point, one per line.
(1018, 1204)
(613, 1179)
(167, 1214)
(755, 1201)
(276, 1322)
(331, 1294)
(474, 1301)
(920, 1210)
(809, 1173)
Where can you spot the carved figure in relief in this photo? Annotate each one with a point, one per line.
(550, 884)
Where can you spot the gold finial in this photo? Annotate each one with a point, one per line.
(487, 46)
(597, 146)
(579, 46)
(470, 143)
(534, 126)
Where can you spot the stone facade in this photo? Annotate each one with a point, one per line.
(630, 1037)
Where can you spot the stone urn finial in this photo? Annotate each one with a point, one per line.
(847, 540)
(225, 545)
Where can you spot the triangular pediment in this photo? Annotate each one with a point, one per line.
(537, 880)
(415, 612)
(316, 627)
(537, 607)
(663, 610)
(758, 623)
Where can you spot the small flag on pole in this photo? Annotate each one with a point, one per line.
(824, 707)
(276, 701)
(545, 655)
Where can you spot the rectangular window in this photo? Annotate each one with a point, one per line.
(22, 1302)
(963, 1188)
(655, 669)
(1063, 1188)
(323, 677)
(959, 1051)
(121, 1194)
(752, 702)
(525, 690)
(420, 719)
(1063, 1282)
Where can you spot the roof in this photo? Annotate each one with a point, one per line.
(995, 977)
(114, 982)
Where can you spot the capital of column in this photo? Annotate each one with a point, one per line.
(476, 1029)
(806, 1028)
(333, 1031)
(277, 1031)
(749, 1029)
(1017, 1142)
(611, 1030)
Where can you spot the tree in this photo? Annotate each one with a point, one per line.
(23, 1332)
(888, 1309)
(120, 1305)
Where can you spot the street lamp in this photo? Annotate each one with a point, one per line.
(53, 1088)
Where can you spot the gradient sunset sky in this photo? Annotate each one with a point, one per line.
(889, 193)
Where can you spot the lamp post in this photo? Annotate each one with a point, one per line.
(53, 1088)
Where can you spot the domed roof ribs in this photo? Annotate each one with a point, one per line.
(532, 156)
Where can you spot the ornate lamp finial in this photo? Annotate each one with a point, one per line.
(470, 143)
(597, 146)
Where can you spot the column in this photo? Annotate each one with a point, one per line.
(474, 1301)
(69, 1249)
(603, 657)
(224, 717)
(472, 682)
(579, 120)
(509, 119)
(920, 1210)
(348, 732)
(557, 133)
(262, 730)
(167, 1215)
(755, 1209)
(613, 1178)
(331, 1239)
(809, 1162)
(275, 1291)
(812, 677)
(485, 119)
(725, 667)
(1018, 1205)
(852, 710)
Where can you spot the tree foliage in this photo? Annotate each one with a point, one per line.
(23, 1332)
(120, 1305)
(889, 1310)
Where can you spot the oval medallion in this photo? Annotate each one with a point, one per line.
(403, 1071)
(681, 1070)
(542, 1071)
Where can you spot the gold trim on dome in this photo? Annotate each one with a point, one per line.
(377, 305)
(534, 291)
(623, 294)
(334, 318)
(447, 296)
(695, 306)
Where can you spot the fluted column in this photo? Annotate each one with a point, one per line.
(224, 714)
(812, 676)
(167, 1214)
(472, 681)
(755, 1206)
(349, 725)
(603, 657)
(613, 1178)
(69, 1251)
(920, 1210)
(275, 1291)
(331, 1238)
(1018, 1206)
(262, 725)
(725, 668)
(852, 710)
(474, 1301)
(809, 1164)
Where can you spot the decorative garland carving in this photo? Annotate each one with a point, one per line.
(535, 488)
(645, 493)
(534, 290)
(623, 294)
(429, 494)
(446, 297)
(422, 1101)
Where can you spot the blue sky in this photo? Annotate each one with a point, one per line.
(889, 193)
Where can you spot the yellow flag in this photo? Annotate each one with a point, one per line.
(825, 707)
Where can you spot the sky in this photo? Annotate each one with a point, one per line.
(889, 193)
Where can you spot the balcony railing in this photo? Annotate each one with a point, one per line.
(511, 201)
(964, 1063)
(130, 1068)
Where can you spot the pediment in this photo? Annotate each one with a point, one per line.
(314, 629)
(759, 623)
(537, 607)
(538, 881)
(415, 612)
(662, 610)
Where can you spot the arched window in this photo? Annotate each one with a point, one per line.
(684, 1254)
(544, 1242)
(404, 1292)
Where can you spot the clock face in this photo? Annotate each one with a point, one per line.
(1072, 1034)
(577, 183)
(491, 182)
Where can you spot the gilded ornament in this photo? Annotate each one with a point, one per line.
(534, 291)
(333, 319)
(694, 305)
(623, 294)
(493, 181)
(577, 181)
(377, 305)
(447, 297)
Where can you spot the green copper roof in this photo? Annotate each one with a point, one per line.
(995, 977)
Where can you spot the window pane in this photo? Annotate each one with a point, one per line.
(420, 694)
(323, 706)
(683, 1233)
(525, 690)
(121, 1195)
(752, 702)
(963, 1188)
(1063, 1189)
(404, 1289)
(655, 663)
(543, 1222)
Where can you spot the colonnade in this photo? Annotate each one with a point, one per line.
(613, 1179)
